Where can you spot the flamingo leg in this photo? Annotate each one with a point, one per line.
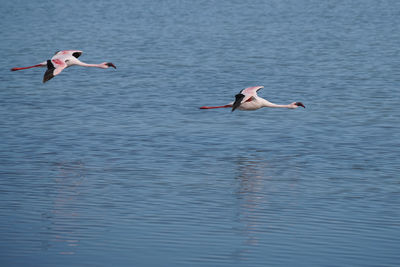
(225, 106)
(29, 67)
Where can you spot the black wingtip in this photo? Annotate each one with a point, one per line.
(76, 54)
(49, 72)
(48, 75)
(238, 101)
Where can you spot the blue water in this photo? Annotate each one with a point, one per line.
(120, 167)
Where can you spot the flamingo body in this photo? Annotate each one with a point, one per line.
(64, 59)
(247, 99)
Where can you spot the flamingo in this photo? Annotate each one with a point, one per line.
(64, 59)
(247, 99)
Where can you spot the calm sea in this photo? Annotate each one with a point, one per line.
(121, 168)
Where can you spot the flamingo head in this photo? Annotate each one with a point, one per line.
(296, 105)
(106, 65)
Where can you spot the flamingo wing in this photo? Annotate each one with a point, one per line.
(245, 95)
(251, 91)
(66, 53)
(54, 67)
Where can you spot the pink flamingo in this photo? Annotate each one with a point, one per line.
(247, 99)
(64, 59)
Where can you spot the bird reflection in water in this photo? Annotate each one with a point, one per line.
(251, 195)
(59, 232)
(259, 184)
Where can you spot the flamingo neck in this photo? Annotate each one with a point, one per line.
(279, 106)
(83, 64)
(268, 104)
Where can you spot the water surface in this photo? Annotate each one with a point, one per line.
(120, 167)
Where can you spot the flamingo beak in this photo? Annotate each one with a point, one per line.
(299, 104)
(111, 65)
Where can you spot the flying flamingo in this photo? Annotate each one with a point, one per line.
(247, 99)
(64, 59)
